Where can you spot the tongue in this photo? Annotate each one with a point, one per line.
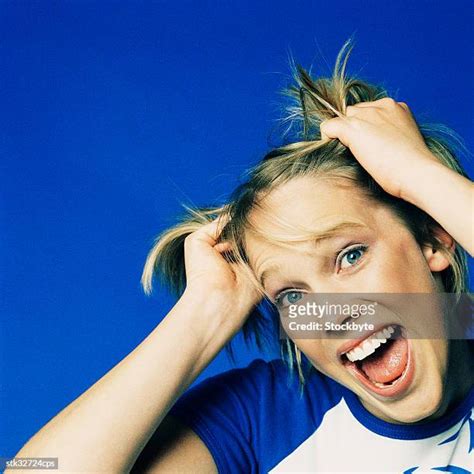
(387, 363)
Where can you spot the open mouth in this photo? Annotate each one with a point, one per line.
(381, 361)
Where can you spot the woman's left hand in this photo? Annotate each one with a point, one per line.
(385, 139)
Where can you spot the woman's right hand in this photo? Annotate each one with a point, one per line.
(209, 273)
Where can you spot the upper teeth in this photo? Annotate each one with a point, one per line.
(369, 345)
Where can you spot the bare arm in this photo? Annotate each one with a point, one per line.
(448, 198)
(174, 448)
(107, 427)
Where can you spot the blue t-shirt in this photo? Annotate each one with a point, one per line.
(256, 420)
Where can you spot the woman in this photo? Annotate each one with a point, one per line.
(363, 202)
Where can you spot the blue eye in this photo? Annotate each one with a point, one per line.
(285, 298)
(350, 257)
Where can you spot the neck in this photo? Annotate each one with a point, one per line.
(459, 375)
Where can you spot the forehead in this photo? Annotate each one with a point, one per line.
(314, 203)
(312, 200)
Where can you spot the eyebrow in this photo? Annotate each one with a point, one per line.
(323, 234)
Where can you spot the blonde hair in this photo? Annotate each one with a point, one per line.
(312, 100)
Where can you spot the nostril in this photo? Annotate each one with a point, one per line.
(347, 319)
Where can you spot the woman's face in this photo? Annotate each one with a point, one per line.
(379, 255)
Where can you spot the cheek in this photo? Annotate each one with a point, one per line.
(438, 350)
(400, 267)
(321, 356)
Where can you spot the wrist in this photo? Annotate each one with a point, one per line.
(426, 176)
(216, 310)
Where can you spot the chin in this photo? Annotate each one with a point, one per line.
(424, 402)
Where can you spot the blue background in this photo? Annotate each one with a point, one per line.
(113, 113)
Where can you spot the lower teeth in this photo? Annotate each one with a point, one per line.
(388, 384)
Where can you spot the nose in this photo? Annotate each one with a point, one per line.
(338, 308)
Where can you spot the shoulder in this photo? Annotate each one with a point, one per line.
(277, 374)
(278, 384)
(264, 388)
(282, 413)
(256, 415)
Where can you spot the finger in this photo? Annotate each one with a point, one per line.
(385, 102)
(363, 105)
(404, 105)
(210, 232)
(246, 278)
(223, 247)
(220, 222)
(223, 219)
(335, 128)
(321, 131)
(353, 110)
(379, 103)
(388, 102)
